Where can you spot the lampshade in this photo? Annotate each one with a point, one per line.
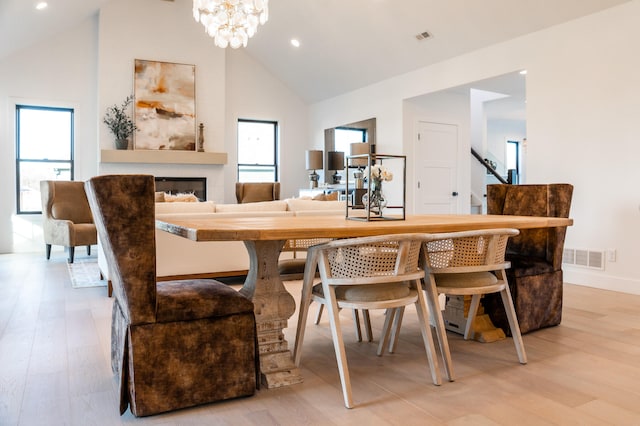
(336, 160)
(314, 159)
(359, 148)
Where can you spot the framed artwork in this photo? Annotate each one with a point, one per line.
(165, 104)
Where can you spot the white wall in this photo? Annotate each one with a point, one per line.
(582, 108)
(229, 85)
(482, 141)
(501, 131)
(91, 67)
(439, 107)
(582, 127)
(126, 33)
(60, 71)
(582, 114)
(252, 92)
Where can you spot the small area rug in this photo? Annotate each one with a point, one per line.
(85, 273)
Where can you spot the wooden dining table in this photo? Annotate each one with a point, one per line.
(264, 238)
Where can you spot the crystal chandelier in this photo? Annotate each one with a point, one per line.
(231, 22)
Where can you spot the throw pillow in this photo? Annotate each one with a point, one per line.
(333, 196)
(180, 197)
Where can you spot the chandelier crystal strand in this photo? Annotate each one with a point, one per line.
(231, 22)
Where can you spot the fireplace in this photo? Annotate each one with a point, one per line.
(189, 185)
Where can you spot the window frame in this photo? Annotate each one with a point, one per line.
(19, 160)
(516, 145)
(516, 150)
(275, 165)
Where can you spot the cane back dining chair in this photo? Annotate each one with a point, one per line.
(174, 344)
(378, 272)
(469, 263)
(293, 269)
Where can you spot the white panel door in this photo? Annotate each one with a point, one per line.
(436, 168)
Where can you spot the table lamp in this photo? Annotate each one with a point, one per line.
(336, 163)
(314, 162)
(359, 148)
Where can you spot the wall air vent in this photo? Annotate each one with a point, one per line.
(569, 256)
(423, 35)
(593, 259)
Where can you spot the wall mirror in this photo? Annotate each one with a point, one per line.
(341, 137)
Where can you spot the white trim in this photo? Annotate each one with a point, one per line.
(598, 280)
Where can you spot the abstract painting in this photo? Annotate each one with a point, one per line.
(165, 106)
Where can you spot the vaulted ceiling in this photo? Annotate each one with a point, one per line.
(345, 44)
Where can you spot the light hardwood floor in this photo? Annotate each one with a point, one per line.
(54, 367)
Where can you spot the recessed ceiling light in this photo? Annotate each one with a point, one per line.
(41, 5)
(295, 42)
(523, 72)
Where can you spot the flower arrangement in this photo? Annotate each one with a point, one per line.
(118, 121)
(379, 173)
(375, 201)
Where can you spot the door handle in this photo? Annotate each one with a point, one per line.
(454, 193)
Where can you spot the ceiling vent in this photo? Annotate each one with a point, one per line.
(423, 35)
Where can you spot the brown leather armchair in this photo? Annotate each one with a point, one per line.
(535, 276)
(66, 216)
(174, 344)
(252, 192)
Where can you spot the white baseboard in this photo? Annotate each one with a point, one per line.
(599, 280)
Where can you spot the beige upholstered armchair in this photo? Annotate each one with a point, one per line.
(252, 192)
(66, 216)
(174, 344)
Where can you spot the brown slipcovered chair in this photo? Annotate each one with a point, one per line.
(253, 192)
(174, 344)
(66, 216)
(535, 276)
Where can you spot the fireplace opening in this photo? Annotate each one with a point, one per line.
(183, 185)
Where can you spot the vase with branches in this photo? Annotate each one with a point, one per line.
(374, 200)
(120, 123)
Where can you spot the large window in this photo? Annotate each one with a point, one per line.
(44, 151)
(257, 151)
(345, 136)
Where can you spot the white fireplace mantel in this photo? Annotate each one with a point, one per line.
(162, 157)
